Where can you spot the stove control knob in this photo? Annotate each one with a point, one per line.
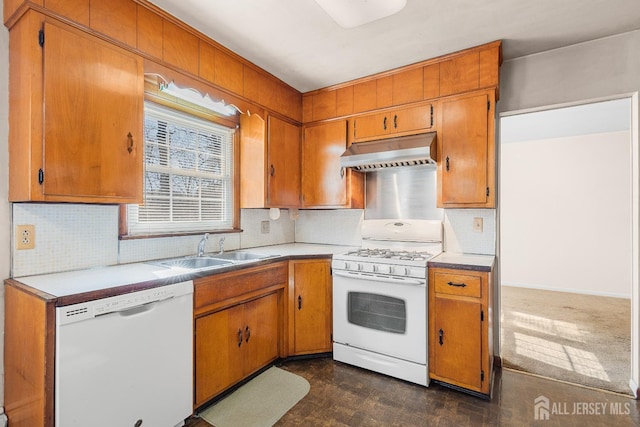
(375, 268)
(346, 265)
(391, 269)
(359, 267)
(407, 271)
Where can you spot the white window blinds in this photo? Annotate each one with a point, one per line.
(188, 180)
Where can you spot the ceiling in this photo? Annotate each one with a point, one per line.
(296, 41)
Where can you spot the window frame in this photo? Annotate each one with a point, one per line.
(152, 94)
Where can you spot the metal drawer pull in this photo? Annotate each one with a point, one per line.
(457, 285)
(440, 335)
(239, 337)
(129, 142)
(299, 302)
(247, 334)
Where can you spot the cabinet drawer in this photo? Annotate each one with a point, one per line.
(226, 286)
(458, 284)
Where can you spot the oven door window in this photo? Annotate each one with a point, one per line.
(379, 312)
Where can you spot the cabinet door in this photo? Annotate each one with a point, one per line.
(219, 345)
(465, 151)
(260, 333)
(370, 126)
(412, 119)
(93, 93)
(324, 181)
(312, 306)
(284, 164)
(458, 341)
(393, 123)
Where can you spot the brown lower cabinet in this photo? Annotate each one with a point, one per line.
(460, 328)
(238, 326)
(310, 303)
(233, 343)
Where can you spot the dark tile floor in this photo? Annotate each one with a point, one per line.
(342, 395)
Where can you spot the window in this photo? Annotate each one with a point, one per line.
(188, 179)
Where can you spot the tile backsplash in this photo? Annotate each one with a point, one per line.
(67, 237)
(331, 227)
(459, 235)
(76, 236)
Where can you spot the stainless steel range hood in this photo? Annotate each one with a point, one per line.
(410, 150)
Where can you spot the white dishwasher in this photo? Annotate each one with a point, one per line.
(126, 361)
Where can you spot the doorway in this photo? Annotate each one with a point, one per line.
(566, 243)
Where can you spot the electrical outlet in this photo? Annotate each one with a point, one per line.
(265, 227)
(477, 225)
(25, 236)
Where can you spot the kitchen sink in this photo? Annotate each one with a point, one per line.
(240, 256)
(195, 263)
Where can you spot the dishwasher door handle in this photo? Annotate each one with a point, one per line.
(136, 309)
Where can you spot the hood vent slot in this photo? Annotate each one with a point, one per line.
(413, 150)
(374, 166)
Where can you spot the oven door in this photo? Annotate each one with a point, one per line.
(382, 315)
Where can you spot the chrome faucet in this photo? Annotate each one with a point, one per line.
(203, 241)
(221, 243)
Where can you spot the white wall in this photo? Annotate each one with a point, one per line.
(590, 70)
(566, 214)
(5, 259)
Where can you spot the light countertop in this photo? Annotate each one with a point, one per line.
(101, 278)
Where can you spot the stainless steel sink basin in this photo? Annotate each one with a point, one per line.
(195, 263)
(240, 256)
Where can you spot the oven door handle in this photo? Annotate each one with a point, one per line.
(383, 279)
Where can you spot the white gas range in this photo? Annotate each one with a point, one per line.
(380, 298)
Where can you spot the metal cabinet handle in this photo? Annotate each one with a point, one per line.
(129, 142)
(247, 334)
(440, 335)
(273, 171)
(299, 302)
(395, 121)
(239, 337)
(457, 285)
(384, 123)
(447, 163)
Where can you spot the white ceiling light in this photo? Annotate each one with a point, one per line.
(352, 13)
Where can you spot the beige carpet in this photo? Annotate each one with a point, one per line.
(581, 339)
(259, 403)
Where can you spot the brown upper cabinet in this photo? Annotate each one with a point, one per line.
(143, 28)
(283, 160)
(269, 165)
(460, 72)
(72, 139)
(396, 122)
(325, 184)
(466, 168)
